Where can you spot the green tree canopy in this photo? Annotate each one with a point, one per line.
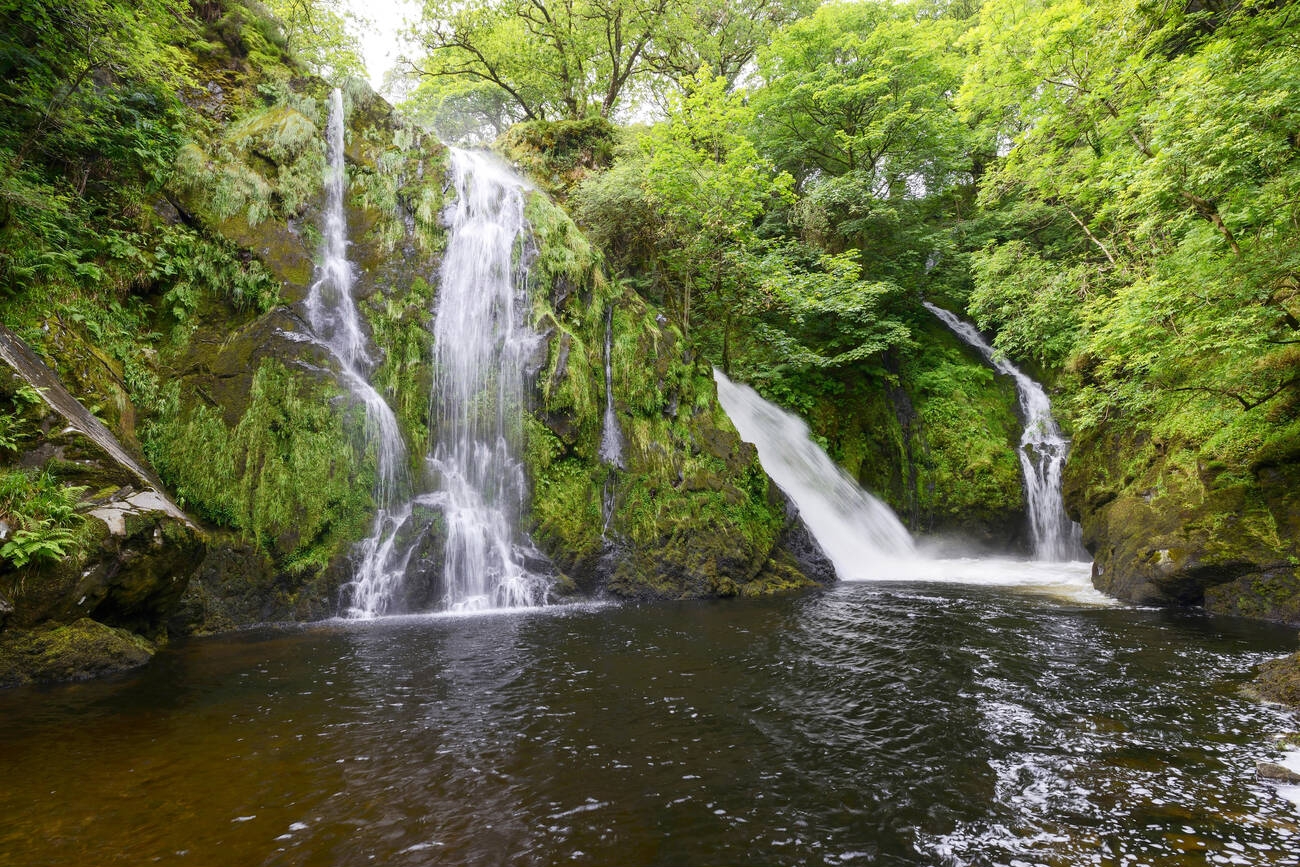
(322, 34)
(862, 88)
(556, 59)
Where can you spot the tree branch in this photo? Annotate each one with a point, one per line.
(1092, 237)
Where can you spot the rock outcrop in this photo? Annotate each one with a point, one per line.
(129, 554)
(1167, 527)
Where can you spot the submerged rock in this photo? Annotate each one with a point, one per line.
(1276, 773)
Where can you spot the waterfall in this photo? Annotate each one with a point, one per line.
(1042, 454)
(862, 537)
(860, 534)
(611, 440)
(336, 323)
(482, 349)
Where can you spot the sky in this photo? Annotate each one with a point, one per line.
(380, 43)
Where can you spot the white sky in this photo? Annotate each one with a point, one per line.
(380, 43)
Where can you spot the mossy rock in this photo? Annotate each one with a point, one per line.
(1279, 681)
(237, 584)
(560, 154)
(128, 570)
(1269, 595)
(689, 513)
(79, 650)
(1168, 524)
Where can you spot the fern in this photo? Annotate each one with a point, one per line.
(44, 543)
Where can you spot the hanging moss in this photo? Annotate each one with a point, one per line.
(400, 328)
(289, 475)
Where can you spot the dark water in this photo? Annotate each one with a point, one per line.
(873, 724)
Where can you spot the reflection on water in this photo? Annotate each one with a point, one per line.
(907, 723)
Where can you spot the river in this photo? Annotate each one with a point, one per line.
(889, 723)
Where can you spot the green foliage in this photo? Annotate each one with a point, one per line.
(488, 63)
(322, 34)
(706, 185)
(400, 328)
(968, 470)
(565, 502)
(187, 268)
(41, 514)
(1165, 137)
(289, 475)
(1031, 302)
(723, 35)
(270, 163)
(91, 122)
(555, 60)
(862, 88)
(817, 311)
(561, 153)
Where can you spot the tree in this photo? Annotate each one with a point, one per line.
(556, 59)
(864, 89)
(457, 109)
(1163, 137)
(707, 185)
(724, 35)
(322, 34)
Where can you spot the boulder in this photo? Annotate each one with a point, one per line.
(79, 650)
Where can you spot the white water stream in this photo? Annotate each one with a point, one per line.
(611, 439)
(1043, 450)
(481, 346)
(336, 323)
(862, 536)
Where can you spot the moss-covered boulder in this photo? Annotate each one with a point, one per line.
(130, 565)
(85, 533)
(1279, 680)
(79, 650)
(1169, 523)
(558, 155)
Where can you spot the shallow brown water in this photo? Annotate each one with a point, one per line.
(916, 724)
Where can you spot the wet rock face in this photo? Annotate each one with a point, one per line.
(806, 552)
(1165, 531)
(689, 513)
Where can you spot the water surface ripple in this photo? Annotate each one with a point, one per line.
(892, 724)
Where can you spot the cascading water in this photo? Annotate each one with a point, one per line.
(1042, 453)
(611, 440)
(861, 535)
(481, 353)
(334, 320)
